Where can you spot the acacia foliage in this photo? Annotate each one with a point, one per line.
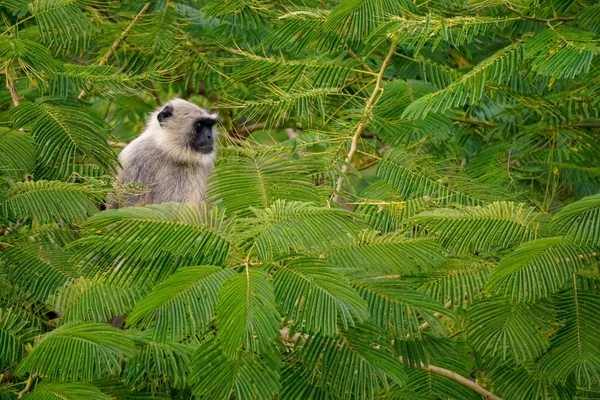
(406, 192)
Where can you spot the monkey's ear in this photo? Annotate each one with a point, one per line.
(165, 114)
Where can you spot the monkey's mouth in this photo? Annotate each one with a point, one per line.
(204, 149)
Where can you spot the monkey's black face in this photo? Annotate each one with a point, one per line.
(202, 139)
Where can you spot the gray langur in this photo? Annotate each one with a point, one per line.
(172, 158)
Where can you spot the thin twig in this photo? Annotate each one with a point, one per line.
(10, 84)
(27, 386)
(364, 64)
(363, 123)
(528, 18)
(246, 130)
(121, 145)
(113, 49)
(438, 315)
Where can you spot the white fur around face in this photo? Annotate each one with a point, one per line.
(173, 136)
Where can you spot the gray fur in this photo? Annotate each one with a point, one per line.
(162, 161)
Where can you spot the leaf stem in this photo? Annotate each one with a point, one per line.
(27, 386)
(371, 101)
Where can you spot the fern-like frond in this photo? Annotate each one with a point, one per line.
(43, 202)
(247, 376)
(17, 154)
(470, 88)
(101, 79)
(420, 30)
(294, 226)
(474, 229)
(160, 365)
(412, 176)
(33, 59)
(498, 328)
(66, 391)
(574, 350)
(87, 351)
(247, 316)
(314, 296)
(589, 18)
(460, 281)
(182, 305)
(562, 52)
(354, 365)
(279, 104)
(319, 72)
(62, 22)
(511, 380)
(150, 243)
(62, 133)
(15, 332)
(580, 221)
(385, 210)
(396, 305)
(536, 269)
(389, 254)
(39, 267)
(263, 177)
(93, 300)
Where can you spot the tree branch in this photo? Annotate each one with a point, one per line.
(371, 101)
(10, 84)
(528, 18)
(458, 378)
(113, 49)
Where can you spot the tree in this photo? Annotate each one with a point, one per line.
(406, 202)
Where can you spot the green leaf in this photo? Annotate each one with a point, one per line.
(315, 296)
(150, 243)
(87, 351)
(580, 221)
(66, 391)
(536, 269)
(246, 376)
(396, 305)
(498, 328)
(355, 365)
(182, 305)
(574, 350)
(471, 87)
(15, 332)
(62, 133)
(294, 226)
(93, 300)
(247, 317)
(160, 365)
(389, 254)
(43, 202)
(264, 177)
(17, 154)
(39, 267)
(475, 229)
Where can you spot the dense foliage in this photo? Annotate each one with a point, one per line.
(406, 202)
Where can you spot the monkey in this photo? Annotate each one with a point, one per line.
(172, 159)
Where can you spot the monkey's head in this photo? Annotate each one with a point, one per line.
(186, 131)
